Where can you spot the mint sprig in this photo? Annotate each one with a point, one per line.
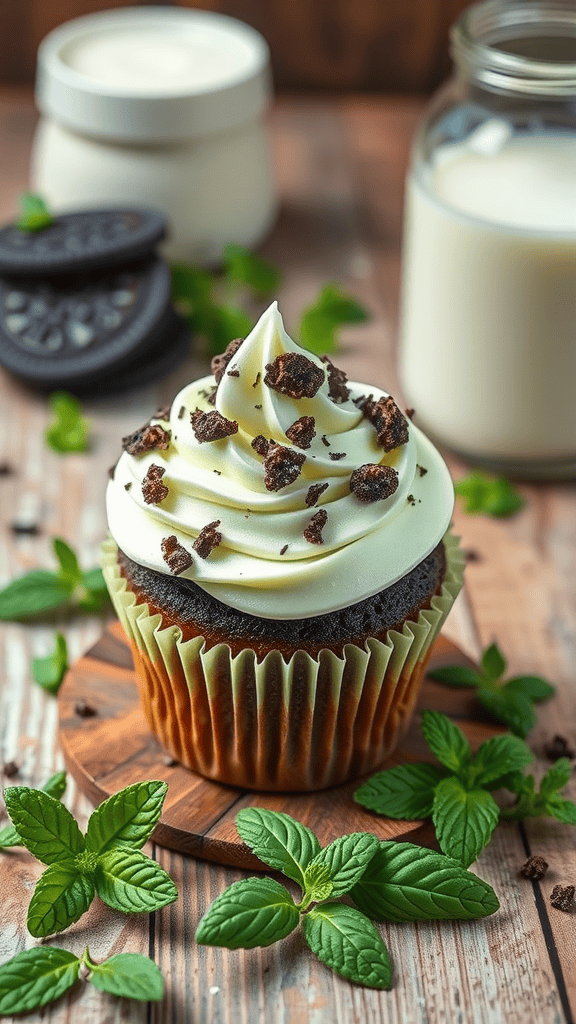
(547, 800)
(34, 214)
(510, 701)
(38, 976)
(331, 310)
(106, 861)
(50, 671)
(55, 787)
(260, 911)
(489, 495)
(69, 431)
(42, 591)
(245, 268)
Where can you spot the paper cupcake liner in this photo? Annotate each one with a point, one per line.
(303, 725)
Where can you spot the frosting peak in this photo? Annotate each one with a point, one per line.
(287, 438)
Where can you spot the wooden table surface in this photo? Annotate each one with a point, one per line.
(340, 166)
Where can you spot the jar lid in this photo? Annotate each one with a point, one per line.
(153, 74)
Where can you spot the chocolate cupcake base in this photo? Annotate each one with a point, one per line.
(297, 724)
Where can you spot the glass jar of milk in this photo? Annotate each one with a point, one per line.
(488, 343)
(163, 107)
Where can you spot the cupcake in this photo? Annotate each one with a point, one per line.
(281, 560)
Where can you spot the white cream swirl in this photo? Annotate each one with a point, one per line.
(264, 565)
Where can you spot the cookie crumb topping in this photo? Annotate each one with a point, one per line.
(294, 375)
(337, 379)
(373, 482)
(257, 381)
(535, 867)
(410, 413)
(282, 466)
(176, 557)
(302, 431)
(153, 490)
(233, 373)
(335, 456)
(325, 441)
(145, 439)
(208, 539)
(313, 532)
(313, 493)
(284, 549)
(211, 426)
(181, 411)
(220, 362)
(260, 445)
(422, 470)
(390, 425)
(562, 897)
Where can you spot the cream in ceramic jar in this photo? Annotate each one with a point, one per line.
(162, 107)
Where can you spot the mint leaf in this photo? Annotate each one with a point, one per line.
(561, 809)
(532, 686)
(127, 975)
(487, 495)
(277, 839)
(55, 787)
(406, 791)
(131, 882)
(455, 675)
(317, 883)
(35, 977)
(346, 858)
(46, 828)
(34, 214)
(244, 267)
(514, 709)
(93, 579)
(345, 940)
(38, 591)
(464, 820)
(249, 913)
(556, 777)
(61, 896)
(514, 781)
(493, 662)
(50, 671)
(222, 325)
(332, 309)
(69, 430)
(70, 571)
(499, 756)
(127, 818)
(445, 740)
(191, 286)
(404, 882)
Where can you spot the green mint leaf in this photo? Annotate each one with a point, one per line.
(131, 882)
(346, 859)
(46, 828)
(277, 839)
(445, 740)
(332, 309)
(561, 809)
(38, 591)
(191, 286)
(36, 977)
(404, 882)
(252, 912)
(405, 792)
(93, 579)
(224, 324)
(498, 757)
(127, 818)
(69, 431)
(493, 662)
(492, 496)
(455, 675)
(556, 777)
(34, 214)
(61, 896)
(317, 883)
(244, 267)
(532, 686)
(513, 709)
(127, 975)
(50, 671)
(55, 787)
(9, 837)
(464, 820)
(346, 941)
(513, 781)
(70, 571)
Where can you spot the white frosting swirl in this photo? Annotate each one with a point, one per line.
(366, 546)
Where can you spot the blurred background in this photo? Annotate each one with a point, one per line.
(396, 46)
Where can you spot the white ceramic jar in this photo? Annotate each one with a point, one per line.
(160, 107)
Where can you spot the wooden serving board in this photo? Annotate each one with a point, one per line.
(114, 748)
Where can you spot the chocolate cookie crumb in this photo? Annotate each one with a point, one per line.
(335, 456)
(212, 398)
(112, 470)
(325, 441)
(337, 379)
(83, 709)
(146, 439)
(313, 532)
(313, 493)
(281, 466)
(128, 485)
(558, 747)
(211, 426)
(284, 549)
(373, 482)
(562, 897)
(411, 499)
(163, 413)
(176, 557)
(207, 539)
(233, 373)
(25, 529)
(302, 431)
(153, 490)
(293, 374)
(6, 469)
(535, 868)
(220, 362)
(422, 470)
(217, 471)
(471, 555)
(257, 406)
(257, 381)
(389, 423)
(260, 445)
(181, 411)
(410, 413)
(10, 769)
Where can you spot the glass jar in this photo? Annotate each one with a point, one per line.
(488, 338)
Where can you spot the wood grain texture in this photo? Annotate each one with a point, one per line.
(340, 167)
